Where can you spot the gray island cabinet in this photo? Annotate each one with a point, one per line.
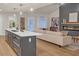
(21, 44)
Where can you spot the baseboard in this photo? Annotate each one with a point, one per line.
(2, 35)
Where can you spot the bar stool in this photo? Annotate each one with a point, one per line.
(74, 35)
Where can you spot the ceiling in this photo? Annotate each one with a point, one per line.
(49, 8)
(38, 7)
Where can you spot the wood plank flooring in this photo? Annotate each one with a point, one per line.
(5, 49)
(48, 49)
(43, 49)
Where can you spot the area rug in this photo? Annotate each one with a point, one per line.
(73, 47)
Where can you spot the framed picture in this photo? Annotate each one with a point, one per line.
(54, 24)
(73, 17)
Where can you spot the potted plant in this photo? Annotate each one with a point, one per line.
(13, 24)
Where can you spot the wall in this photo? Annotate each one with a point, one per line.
(36, 19)
(55, 13)
(1, 25)
(67, 8)
(4, 20)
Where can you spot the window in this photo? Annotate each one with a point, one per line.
(42, 22)
(31, 23)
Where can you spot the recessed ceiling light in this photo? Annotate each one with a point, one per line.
(31, 9)
(62, 3)
(0, 9)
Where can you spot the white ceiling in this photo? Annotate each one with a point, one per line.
(38, 7)
(49, 8)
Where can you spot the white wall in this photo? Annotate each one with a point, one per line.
(4, 20)
(1, 25)
(55, 13)
(36, 17)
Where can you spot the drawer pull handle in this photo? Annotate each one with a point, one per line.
(17, 38)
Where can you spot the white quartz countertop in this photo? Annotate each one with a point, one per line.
(24, 34)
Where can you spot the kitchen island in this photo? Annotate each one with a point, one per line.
(23, 43)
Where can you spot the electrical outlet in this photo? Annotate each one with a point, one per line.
(30, 40)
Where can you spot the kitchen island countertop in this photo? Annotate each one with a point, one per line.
(23, 34)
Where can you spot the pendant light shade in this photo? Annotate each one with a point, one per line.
(20, 13)
(14, 13)
(21, 9)
(31, 9)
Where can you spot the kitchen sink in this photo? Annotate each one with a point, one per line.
(14, 30)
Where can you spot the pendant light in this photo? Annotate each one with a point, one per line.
(31, 9)
(14, 12)
(21, 9)
(0, 9)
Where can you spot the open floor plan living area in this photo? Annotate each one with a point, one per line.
(39, 29)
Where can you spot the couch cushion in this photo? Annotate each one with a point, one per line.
(54, 33)
(64, 33)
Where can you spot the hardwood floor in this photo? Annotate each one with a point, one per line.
(48, 49)
(43, 49)
(5, 49)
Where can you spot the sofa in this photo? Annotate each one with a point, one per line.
(59, 38)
